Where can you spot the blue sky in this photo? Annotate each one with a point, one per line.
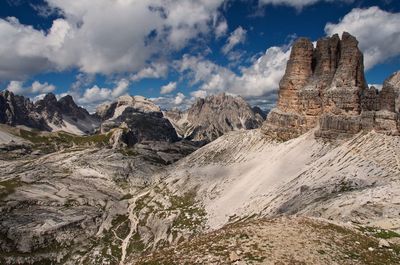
(174, 51)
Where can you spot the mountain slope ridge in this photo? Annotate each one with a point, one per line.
(239, 175)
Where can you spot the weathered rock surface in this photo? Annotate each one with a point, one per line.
(18, 110)
(390, 91)
(278, 241)
(137, 119)
(209, 118)
(65, 115)
(325, 86)
(75, 206)
(47, 114)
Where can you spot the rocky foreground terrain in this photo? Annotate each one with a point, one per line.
(319, 183)
(293, 240)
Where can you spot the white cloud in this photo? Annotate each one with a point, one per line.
(104, 37)
(259, 79)
(96, 95)
(199, 94)
(298, 4)
(221, 28)
(237, 36)
(168, 88)
(377, 31)
(17, 87)
(168, 102)
(377, 86)
(179, 98)
(20, 50)
(258, 83)
(157, 70)
(82, 80)
(121, 88)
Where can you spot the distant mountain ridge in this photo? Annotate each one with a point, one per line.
(213, 116)
(47, 114)
(133, 118)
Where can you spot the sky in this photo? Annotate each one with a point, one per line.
(174, 51)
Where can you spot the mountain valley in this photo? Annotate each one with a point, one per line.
(317, 182)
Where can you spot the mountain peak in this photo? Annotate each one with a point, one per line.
(326, 86)
(210, 117)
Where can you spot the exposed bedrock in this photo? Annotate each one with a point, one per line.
(325, 86)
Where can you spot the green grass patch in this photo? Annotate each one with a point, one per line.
(8, 187)
(378, 232)
(192, 215)
(49, 141)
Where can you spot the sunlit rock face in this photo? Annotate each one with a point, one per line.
(211, 117)
(325, 86)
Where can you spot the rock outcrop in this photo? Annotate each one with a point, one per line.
(18, 110)
(209, 118)
(325, 86)
(47, 114)
(65, 115)
(135, 119)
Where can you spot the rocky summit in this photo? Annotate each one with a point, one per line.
(135, 119)
(211, 117)
(325, 87)
(18, 110)
(47, 114)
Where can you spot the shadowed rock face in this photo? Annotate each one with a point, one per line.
(390, 91)
(135, 119)
(47, 114)
(63, 114)
(326, 86)
(18, 110)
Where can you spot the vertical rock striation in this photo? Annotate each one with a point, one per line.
(325, 86)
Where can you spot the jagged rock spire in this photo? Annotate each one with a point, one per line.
(326, 80)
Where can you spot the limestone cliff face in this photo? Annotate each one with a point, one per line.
(325, 86)
(134, 119)
(18, 110)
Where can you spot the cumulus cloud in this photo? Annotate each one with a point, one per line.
(21, 50)
(103, 38)
(179, 98)
(258, 83)
(179, 101)
(236, 37)
(298, 4)
(17, 87)
(259, 79)
(168, 88)
(199, 94)
(96, 95)
(157, 70)
(377, 31)
(82, 80)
